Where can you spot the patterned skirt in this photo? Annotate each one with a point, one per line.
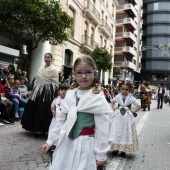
(128, 148)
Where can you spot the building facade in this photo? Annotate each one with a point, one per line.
(93, 24)
(127, 57)
(156, 34)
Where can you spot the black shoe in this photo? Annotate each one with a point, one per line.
(144, 110)
(8, 121)
(11, 121)
(39, 134)
(123, 154)
(5, 121)
(157, 107)
(115, 152)
(160, 107)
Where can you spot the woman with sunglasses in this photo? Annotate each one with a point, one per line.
(123, 136)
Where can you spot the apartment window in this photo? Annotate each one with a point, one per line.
(112, 29)
(92, 33)
(85, 28)
(107, 3)
(106, 19)
(134, 62)
(113, 9)
(102, 14)
(111, 49)
(71, 13)
(101, 41)
(105, 44)
(93, 2)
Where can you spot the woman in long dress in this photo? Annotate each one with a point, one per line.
(123, 136)
(37, 115)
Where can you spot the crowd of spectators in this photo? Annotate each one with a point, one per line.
(13, 93)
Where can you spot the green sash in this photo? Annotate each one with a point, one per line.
(83, 120)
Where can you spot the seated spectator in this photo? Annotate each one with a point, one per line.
(11, 80)
(24, 74)
(23, 88)
(15, 98)
(12, 71)
(5, 107)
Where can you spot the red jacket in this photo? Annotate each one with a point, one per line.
(2, 89)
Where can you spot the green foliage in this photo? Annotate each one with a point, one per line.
(35, 20)
(103, 59)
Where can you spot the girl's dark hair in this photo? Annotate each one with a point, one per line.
(49, 55)
(129, 84)
(63, 86)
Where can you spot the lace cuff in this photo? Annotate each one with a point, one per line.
(101, 156)
(49, 142)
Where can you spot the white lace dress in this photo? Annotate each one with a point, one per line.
(82, 152)
(123, 136)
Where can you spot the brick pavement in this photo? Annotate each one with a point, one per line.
(20, 150)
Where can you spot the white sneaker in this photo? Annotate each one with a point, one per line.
(1, 124)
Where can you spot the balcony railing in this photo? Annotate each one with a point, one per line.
(126, 49)
(89, 43)
(127, 7)
(104, 25)
(125, 35)
(91, 11)
(130, 65)
(126, 21)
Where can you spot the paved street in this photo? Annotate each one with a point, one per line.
(20, 150)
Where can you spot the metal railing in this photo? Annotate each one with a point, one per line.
(104, 23)
(91, 7)
(89, 42)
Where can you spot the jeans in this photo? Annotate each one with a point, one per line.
(6, 108)
(160, 100)
(18, 102)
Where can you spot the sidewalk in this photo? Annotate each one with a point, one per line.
(154, 144)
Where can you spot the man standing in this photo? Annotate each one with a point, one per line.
(160, 94)
(141, 91)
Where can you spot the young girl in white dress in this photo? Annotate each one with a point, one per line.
(81, 132)
(56, 104)
(123, 136)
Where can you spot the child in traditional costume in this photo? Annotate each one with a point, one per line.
(56, 104)
(81, 132)
(123, 136)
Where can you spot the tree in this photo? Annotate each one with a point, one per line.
(103, 59)
(35, 21)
